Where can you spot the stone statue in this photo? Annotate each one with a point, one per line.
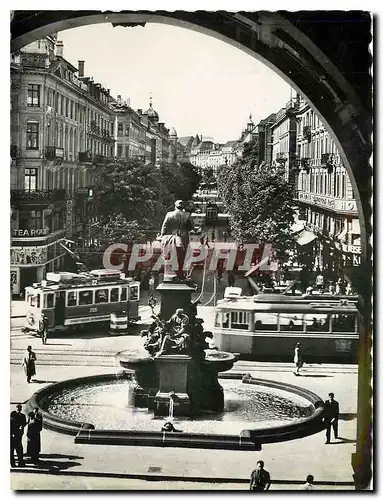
(176, 338)
(175, 238)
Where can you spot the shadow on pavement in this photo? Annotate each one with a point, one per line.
(313, 375)
(59, 455)
(347, 416)
(44, 381)
(344, 440)
(53, 465)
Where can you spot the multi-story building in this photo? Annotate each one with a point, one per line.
(284, 138)
(130, 132)
(59, 121)
(210, 155)
(262, 132)
(331, 238)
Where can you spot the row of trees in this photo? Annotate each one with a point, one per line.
(259, 200)
(131, 200)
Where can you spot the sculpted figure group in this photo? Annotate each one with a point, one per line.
(179, 335)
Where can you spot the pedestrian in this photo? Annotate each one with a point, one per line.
(298, 358)
(29, 364)
(260, 478)
(331, 416)
(151, 284)
(43, 328)
(18, 422)
(213, 236)
(320, 282)
(309, 483)
(224, 235)
(207, 241)
(230, 278)
(33, 436)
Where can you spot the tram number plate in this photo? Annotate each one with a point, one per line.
(343, 345)
(93, 309)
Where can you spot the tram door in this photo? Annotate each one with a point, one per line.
(60, 308)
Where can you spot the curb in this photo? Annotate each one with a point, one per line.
(158, 477)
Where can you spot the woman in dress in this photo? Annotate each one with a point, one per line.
(298, 358)
(29, 363)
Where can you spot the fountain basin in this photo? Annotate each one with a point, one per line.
(236, 428)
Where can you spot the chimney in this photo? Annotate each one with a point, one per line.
(59, 48)
(81, 65)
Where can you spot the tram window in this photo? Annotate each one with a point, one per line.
(343, 323)
(225, 320)
(266, 321)
(85, 297)
(33, 301)
(240, 320)
(72, 299)
(101, 295)
(123, 294)
(317, 322)
(290, 322)
(114, 294)
(38, 301)
(49, 300)
(134, 293)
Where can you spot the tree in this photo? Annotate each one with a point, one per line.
(181, 179)
(259, 200)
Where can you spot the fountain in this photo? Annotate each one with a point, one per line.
(178, 379)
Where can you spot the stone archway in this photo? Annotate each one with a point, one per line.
(325, 56)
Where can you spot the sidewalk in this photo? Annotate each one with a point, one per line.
(288, 463)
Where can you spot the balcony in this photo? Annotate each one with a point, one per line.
(37, 197)
(305, 164)
(281, 158)
(328, 161)
(85, 157)
(53, 153)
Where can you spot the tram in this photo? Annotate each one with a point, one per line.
(268, 326)
(69, 300)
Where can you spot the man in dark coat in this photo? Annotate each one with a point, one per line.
(260, 478)
(331, 416)
(18, 422)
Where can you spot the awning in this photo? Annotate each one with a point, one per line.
(296, 227)
(305, 237)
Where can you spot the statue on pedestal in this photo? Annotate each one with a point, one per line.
(175, 239)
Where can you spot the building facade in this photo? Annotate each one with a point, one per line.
(64, 124)
(327, 206)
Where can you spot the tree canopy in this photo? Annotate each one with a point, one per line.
(131, 198)
(259, 200)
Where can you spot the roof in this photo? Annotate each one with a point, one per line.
(230, 144)
(185, 140)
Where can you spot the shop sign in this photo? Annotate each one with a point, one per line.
(30, 233)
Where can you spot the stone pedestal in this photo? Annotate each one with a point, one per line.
(172, 372)
(174, 296)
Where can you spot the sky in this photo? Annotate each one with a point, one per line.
(199, 85)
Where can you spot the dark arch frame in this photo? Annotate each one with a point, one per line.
(323, 54)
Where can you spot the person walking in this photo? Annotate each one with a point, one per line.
(151, 284)
(230, 278)
(260, 478)
(331, 416)
(29, 364)
(35, 425)
(298, 361)
(309, 483)
(43, 328)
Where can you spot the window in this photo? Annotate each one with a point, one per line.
(134, 293)
(33, 135)
(71, 109)
(30, 179)
(67, 107)
(85, 297)
(31, 219)
(119, 150)
(291, 322)
(266, 321)
(49, 300)
(62, 105)
(126, 151)
(101, 295)
(114, 294)
(120, 129)
(240, 320)
(71, 298)
(123, 294)
(343, 323)
(50, 98)
(33, 96)
(317, 322)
